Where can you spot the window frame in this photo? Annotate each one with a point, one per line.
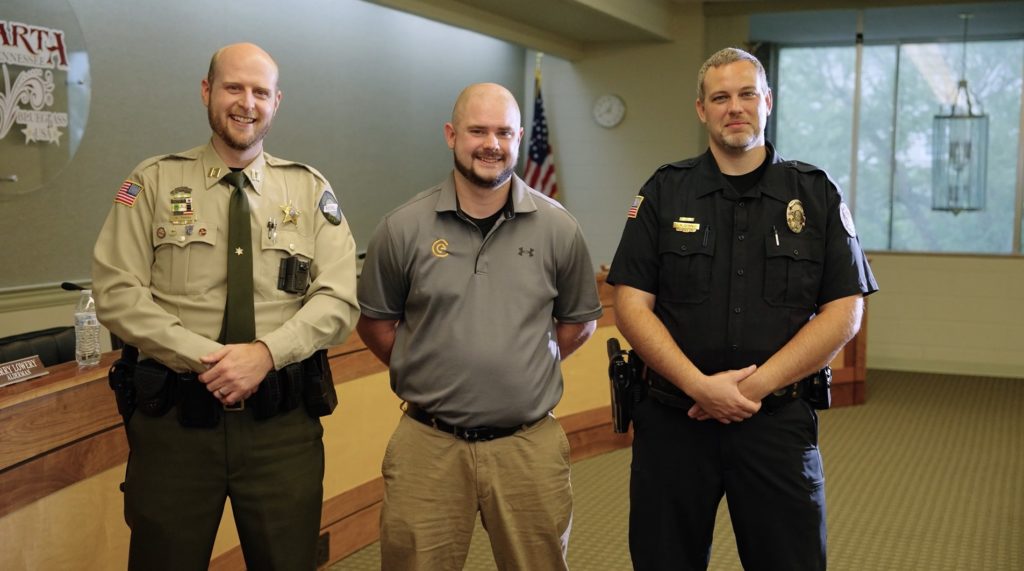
(769, 53)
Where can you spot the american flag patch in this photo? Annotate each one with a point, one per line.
(633, 208)
(128, 192)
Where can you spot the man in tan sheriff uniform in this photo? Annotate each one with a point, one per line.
(206, 418)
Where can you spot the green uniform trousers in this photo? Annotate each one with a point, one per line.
(178, 478)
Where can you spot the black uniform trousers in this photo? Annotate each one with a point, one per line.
(769, 468)
(178, 478)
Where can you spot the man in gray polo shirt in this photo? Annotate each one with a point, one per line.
(472, 292)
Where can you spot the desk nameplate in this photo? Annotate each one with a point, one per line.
(21, 370)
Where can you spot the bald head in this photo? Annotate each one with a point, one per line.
(243, 53)
(484, 135)
(241, 98)
(484, 94)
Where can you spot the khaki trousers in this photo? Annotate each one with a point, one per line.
(435, 484)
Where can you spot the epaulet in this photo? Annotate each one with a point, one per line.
(192, 154)
(159, 158)
(802, 166)
(278, 162)
(683, 164)
(808, 168)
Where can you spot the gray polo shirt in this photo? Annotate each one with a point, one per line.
(476, 341)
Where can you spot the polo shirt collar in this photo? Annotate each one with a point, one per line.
(519, 199)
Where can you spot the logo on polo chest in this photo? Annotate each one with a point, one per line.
(439, 248)
(524, 251)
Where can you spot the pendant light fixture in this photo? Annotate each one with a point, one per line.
(960, 148)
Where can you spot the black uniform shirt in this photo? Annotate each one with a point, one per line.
(734, 280)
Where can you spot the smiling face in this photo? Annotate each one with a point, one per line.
(241, 98)
(484, 135)
(735, 107)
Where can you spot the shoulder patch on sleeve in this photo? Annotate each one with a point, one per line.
(128, 192)
(847, 217)
(634, 208)
(329, 207)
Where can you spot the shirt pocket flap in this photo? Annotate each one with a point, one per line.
(289, 244)
(182, 235)
(796, 248)
(686, 243)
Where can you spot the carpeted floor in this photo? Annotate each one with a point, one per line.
(928, 475)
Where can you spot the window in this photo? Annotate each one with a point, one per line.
(903, 85)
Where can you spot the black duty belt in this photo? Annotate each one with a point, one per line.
(663, 391)
(475, 434)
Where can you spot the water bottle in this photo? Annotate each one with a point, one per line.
(87, 331)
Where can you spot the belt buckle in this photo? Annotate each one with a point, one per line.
(474, 434)
(791, 390)
(238, 406)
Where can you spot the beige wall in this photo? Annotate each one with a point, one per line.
(947, 314)
(600, 170)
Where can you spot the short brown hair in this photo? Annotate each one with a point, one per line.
(725, 57)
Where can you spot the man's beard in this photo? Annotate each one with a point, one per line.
(220, 127)
(740, 141)
(467, 171)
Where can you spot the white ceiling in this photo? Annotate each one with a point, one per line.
(567, 28)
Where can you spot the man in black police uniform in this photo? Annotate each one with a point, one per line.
(738, 277)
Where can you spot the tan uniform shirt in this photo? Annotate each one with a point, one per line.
(160, 263)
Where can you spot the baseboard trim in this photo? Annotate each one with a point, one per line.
(947, 367)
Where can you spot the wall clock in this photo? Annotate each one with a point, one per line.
(609, 110)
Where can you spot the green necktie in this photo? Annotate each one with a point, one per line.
(239, 315)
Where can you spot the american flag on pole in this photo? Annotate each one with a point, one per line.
(540, 162)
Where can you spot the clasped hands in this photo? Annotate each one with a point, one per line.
(722, 397)
(235, 371)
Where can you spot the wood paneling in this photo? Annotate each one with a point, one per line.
(37, 426)
(64, 428)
